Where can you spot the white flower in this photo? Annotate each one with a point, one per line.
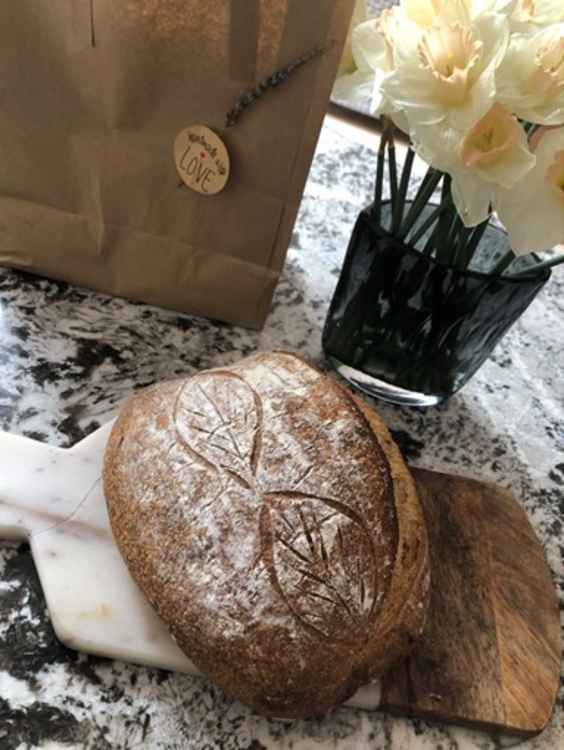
(533, 210)
(446, 74)
(348, 64)
(372, 50)
(530, 80)
(494, 153)
(531, 15)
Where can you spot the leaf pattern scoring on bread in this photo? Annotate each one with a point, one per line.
(318, 552)
(218, 419)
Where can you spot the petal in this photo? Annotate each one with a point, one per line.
(406, 41)
(548, 11)
(479, 102)
(545, 12)
(411, 88)
(531, 102)
(400, 121)
(348, 64)
(518, 65)
(454, 11)
(437, 145)
(420, 12)
(380, 105)
(532, 211)
(493, 31)
(511, 166)
(507, 172)
(471, 194)
(369, 46)
(355, 88)
(533, 216)
(472, 197)
(496, 6)
(551, 142)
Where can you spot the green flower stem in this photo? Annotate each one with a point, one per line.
(392, 166)
(449, 252)
(402, 193)
(550, 263)
(464, 258)
(463, 234)
(503, 264)
(430, 245)
(445, 223)
(429, 221)
(445, 249)
(473, 241)
(426, 190)
(377, 209)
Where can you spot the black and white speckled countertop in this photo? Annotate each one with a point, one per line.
(69, 357)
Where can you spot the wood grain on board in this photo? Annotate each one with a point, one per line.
(490, 655)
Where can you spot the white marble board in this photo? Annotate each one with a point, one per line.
(54, 498)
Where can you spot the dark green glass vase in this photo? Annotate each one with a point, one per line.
(411, 330)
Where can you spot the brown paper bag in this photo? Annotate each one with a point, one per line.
(94, 94)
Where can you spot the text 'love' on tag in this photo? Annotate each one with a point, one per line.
(202, 160)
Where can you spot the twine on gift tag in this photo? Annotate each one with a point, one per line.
(252, 95)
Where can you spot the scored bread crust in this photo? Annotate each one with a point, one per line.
(291, 588)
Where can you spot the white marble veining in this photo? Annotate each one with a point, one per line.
(39, 485)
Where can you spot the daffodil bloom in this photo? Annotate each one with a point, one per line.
(446, 74)
(530, 80)
(533, 209)
(493, 154)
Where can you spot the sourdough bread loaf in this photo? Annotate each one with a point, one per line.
(270, 520)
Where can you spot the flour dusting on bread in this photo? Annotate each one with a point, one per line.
(257, 509)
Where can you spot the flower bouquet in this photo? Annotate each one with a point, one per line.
(433, 279)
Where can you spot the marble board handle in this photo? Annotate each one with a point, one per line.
(38, 485)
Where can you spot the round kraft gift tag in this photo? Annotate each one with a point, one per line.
(202, 160)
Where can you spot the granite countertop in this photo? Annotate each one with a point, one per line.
(68, 357)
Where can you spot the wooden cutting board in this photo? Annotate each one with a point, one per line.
(490, 655)
(491, 652)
